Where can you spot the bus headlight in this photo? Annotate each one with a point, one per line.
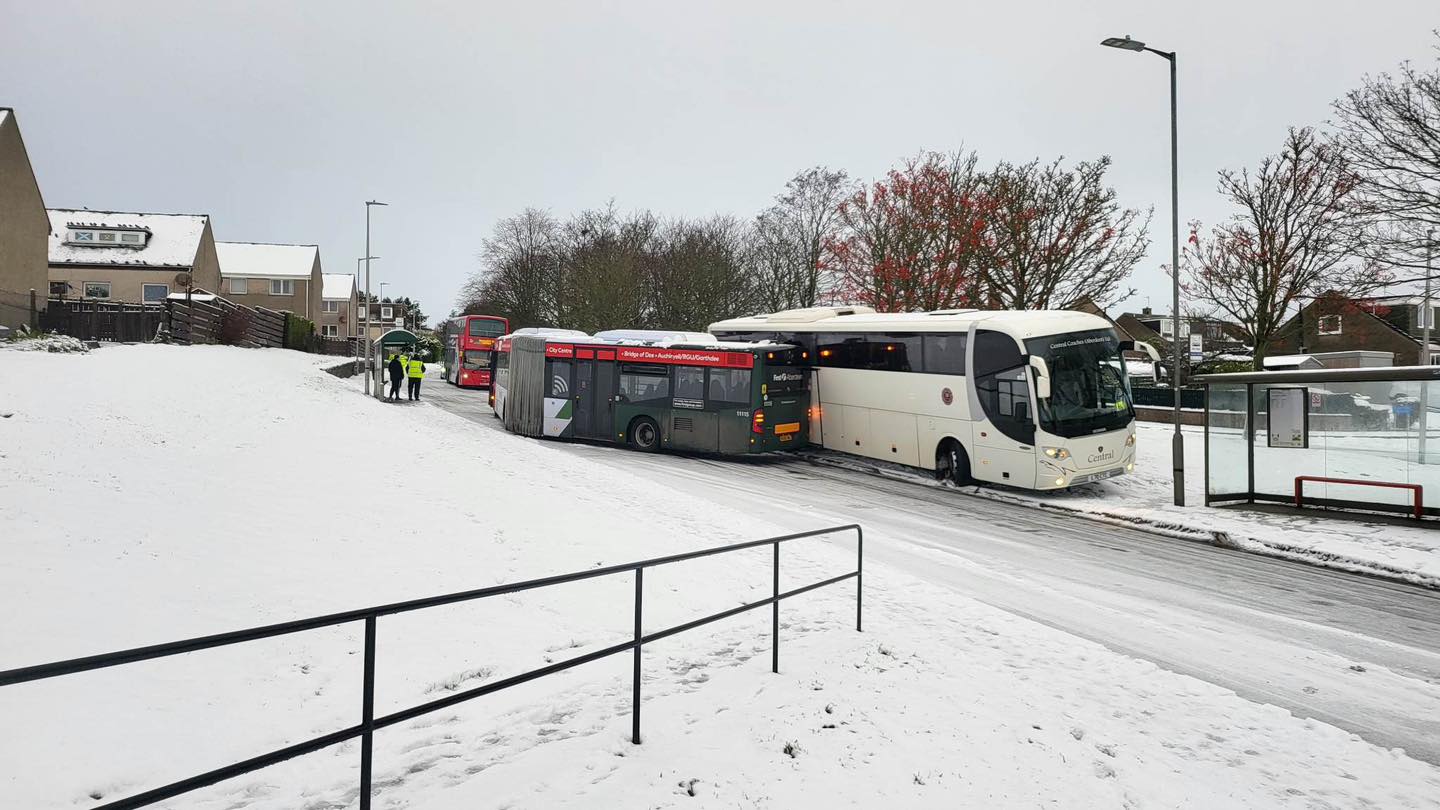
(1057, 453)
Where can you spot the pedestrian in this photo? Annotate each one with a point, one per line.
(397, 371)
(416, 370)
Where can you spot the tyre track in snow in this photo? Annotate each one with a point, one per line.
(1360, 653)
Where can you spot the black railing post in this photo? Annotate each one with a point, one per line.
(367, 714)
(635, 694)
(859, 571)
(775, 613)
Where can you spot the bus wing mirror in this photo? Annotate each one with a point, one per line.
(1042, 377)
(1140, 346)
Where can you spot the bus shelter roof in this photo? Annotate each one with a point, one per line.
(397, 337)
(1327, 375)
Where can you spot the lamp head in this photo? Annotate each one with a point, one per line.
(1124, 43)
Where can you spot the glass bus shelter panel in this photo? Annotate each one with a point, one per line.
(1225, 471)
(1366, 431)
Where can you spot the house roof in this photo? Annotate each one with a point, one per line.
(338, 286)
(174, 239)
(266, 260)
(1297, 360)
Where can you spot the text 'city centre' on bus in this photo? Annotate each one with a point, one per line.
(627, 387)
(1038, 399)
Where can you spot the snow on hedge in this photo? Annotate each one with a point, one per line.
(241, 487)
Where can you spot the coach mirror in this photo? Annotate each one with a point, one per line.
(1041, 373)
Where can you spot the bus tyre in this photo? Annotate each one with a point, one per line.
(644, 435)
(952, 464)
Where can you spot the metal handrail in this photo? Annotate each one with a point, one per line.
(369, 723)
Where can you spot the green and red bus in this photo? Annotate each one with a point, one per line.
(469, 344)
(712, 397)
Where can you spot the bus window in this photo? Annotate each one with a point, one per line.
(895, 352)
(1000, 380)
(559, 378)
(945, 354)
(644, 383)
(730, 385)
(486, 328)
(689, 383)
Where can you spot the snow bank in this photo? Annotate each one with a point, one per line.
(1410, 553)
(246, 486)
(59, 344)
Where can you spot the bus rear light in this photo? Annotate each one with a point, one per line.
(757, 422)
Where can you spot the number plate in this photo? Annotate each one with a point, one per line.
(788, 427)
(1100, 476)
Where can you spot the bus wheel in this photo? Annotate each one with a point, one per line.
(644, 435)
(952, 463)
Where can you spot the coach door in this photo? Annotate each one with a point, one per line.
(594, 395)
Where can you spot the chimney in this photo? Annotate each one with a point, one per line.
(1145, 311)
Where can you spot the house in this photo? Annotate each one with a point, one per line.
(132, 257)
(285, 278)
(383, 316)
(24, 228)
(338, 302)
(1332, 323)
(1213, 331)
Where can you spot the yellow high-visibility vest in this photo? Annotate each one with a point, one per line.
(417, 368)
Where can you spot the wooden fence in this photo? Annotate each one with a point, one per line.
(107, 321)
(202, 319)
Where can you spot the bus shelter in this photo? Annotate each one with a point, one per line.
(395, 341)
(1346, 438)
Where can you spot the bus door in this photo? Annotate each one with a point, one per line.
(692, 425)
(1003, 442)
(594, 394)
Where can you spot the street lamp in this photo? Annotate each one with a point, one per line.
(362, 312)
(369, 353)
(1177, 448)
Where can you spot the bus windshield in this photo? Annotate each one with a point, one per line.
(1089, 389)
(481, 327)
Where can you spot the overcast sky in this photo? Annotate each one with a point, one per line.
(280, 118)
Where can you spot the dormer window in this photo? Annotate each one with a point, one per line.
(106, 237)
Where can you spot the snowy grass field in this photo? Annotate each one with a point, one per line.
(242, 487)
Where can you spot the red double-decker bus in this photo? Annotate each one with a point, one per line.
(469, 343)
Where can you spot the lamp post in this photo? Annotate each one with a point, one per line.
(370, 375)
(1427, 315)
(1177, 447)
(362, 315)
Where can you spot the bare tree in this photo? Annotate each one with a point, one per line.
(603, 268)
(1389, 128)
(519, 272)
(1056, 236)
(788, 239)
(698, 275)
(1294, 236)
(912, 240)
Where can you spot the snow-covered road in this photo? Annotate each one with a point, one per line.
(1359, 653)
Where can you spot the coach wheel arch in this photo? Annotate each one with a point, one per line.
(952, 462)
(644, 434)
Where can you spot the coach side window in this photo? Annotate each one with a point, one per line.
(945, 354)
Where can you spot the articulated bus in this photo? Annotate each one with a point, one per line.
(1039, 399)
(469, 343)
(704, 396)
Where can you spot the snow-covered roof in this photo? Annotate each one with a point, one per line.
(173, 240)
(1284, 360)
(338, 286)
(258, 259)
(656, 336)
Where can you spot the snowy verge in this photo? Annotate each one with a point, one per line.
(244, 487)
(1142, 500)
